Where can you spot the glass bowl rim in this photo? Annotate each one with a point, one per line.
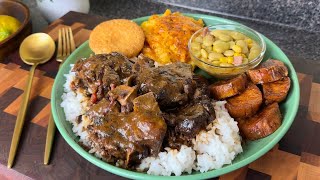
(260, 38)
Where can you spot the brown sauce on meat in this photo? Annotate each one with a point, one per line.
(131, 136)
(137, 109)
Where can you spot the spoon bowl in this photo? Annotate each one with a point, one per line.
(36, 49)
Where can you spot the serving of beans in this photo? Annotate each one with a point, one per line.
(225, 48)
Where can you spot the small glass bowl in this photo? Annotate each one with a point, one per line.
(228, 72)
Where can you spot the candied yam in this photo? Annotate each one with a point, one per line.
(245, 104)
(228, 88)
(276, 91)
(269, 71)
(262, 124)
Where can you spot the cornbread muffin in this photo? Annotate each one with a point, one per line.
(167, 37)
(117, 35)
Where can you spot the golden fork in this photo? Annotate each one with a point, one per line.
(66, 46)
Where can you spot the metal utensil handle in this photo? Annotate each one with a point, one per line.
(21, 117)
(49, 139)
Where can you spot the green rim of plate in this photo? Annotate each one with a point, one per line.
(252, 150)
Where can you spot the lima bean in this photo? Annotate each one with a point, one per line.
(253, 54)
(195, 46)
(225, 64)
(237, 35)
(219, 47)
(208, 40)
(215, 56)
(204, 53)
(198, 39)
(229, 53)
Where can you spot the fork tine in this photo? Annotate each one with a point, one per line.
(64, 43)
(59, 53)
(67, 42)
(72, 44)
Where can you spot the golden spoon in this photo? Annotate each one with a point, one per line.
(36, 49)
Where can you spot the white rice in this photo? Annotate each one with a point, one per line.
(220, 144)
(74, 104)
(213, 148)
(172, 161)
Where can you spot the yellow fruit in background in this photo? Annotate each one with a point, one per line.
(8, 25)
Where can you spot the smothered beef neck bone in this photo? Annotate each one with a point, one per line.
(124, 95)
(182, 97)
(172, 84)
(134, 102)
(186, 122)
(98, 74)
(130, 136)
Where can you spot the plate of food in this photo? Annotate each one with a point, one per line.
(184, 96)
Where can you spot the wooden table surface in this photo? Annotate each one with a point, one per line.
(296, 156)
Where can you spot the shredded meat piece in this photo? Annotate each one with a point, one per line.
(171, 84)
(99, 73)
